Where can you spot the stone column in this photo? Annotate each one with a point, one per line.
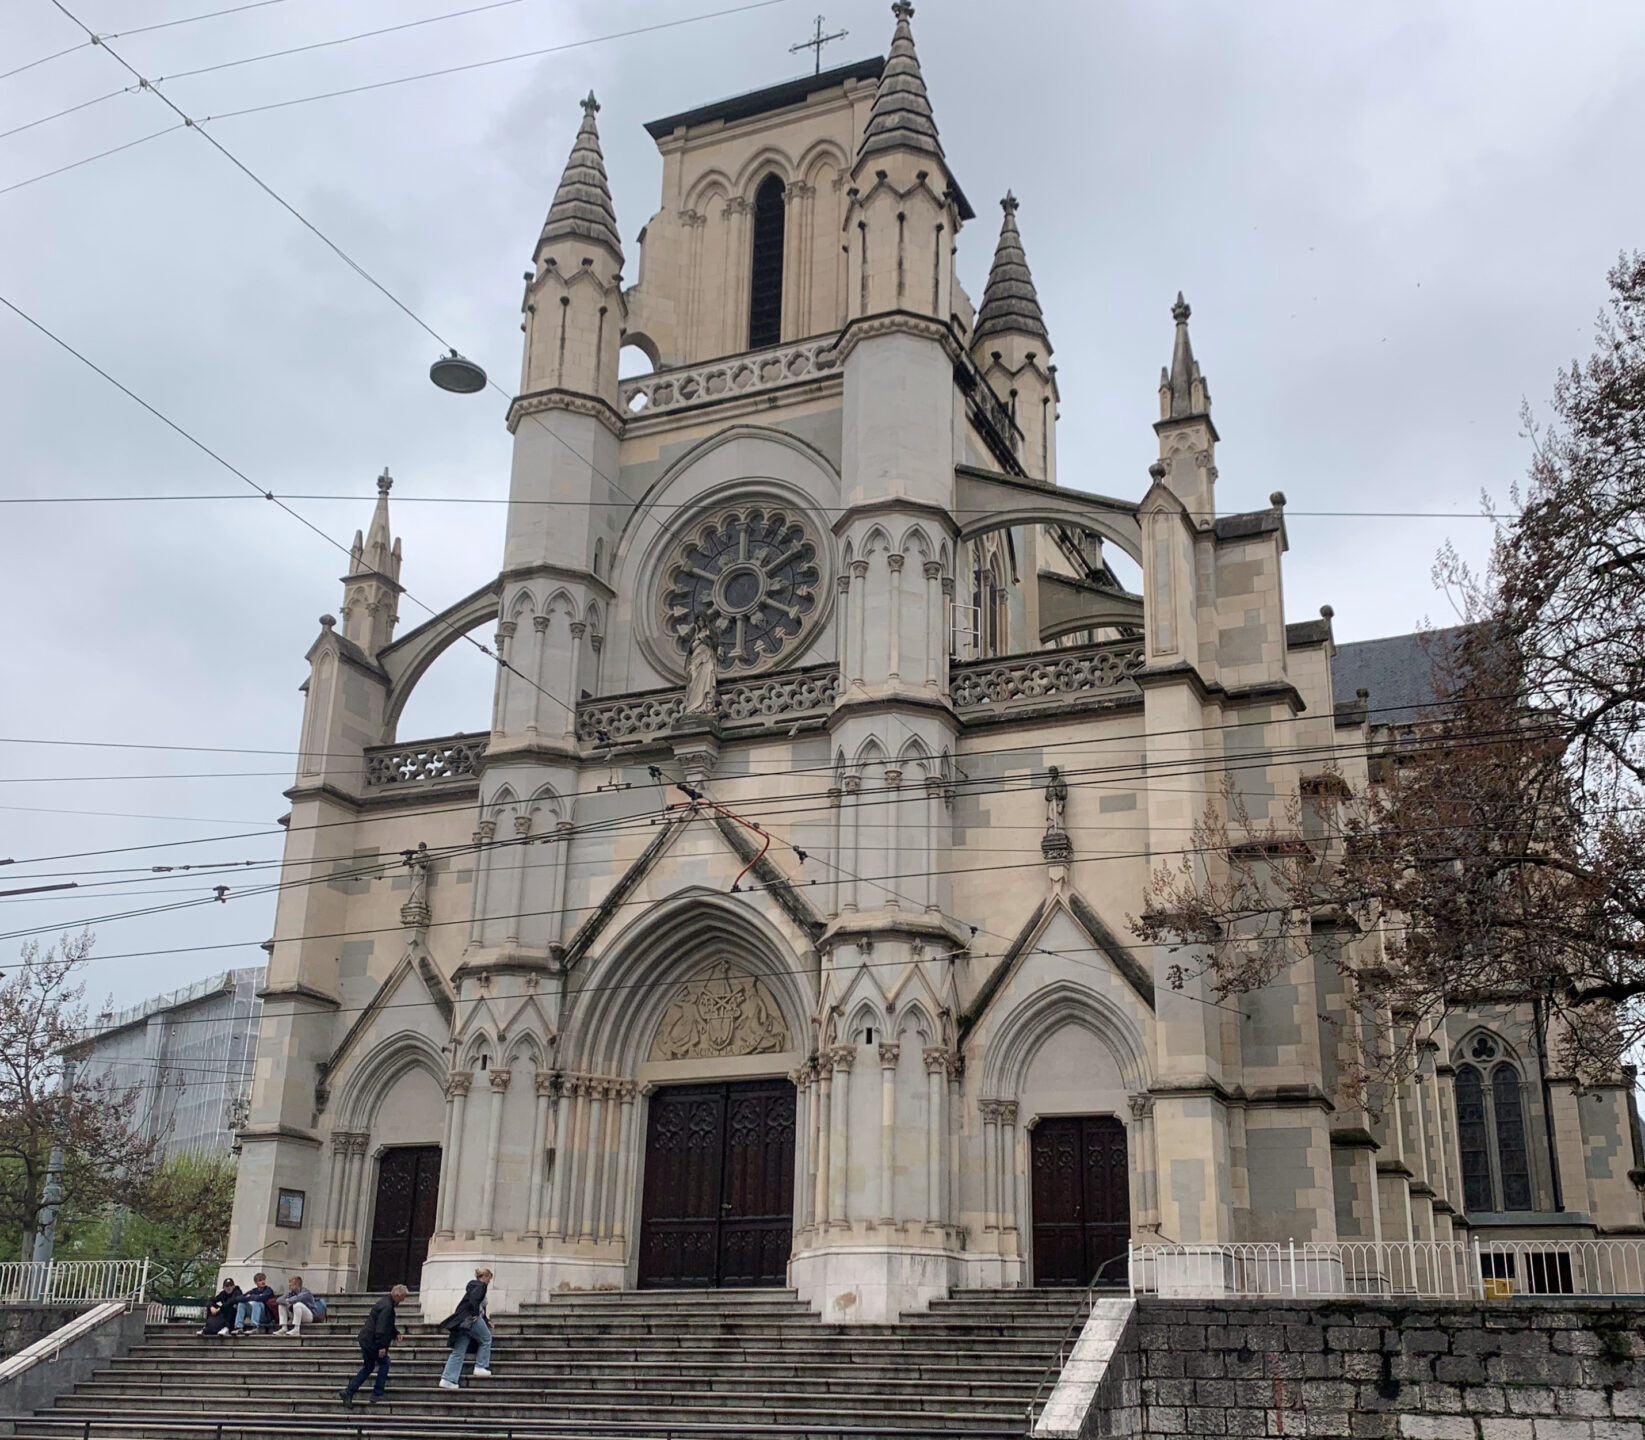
(839, 1205)
(562, 1159)
(824, 1122)
(505, 676)
(596, 644)
(579, 628)
(451, 1160)
(955, 1128)
(894, 564)
(842, 607)
(859, 616)
(334, 1183)
(482, 880)
(889, 1055)
(539, 623)
(886, 866)
(943, 656)
(625, 1164)
(494, 1140)
(933, 621)
(591, 1157)
(852, 826)
(544, 1080)
(1008, 1166)
(1143, 1164)
(511, 923)
(936, 1068)
(356, 1164)
(990, 1164)
(802, 1144)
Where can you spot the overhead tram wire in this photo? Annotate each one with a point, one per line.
(784, 809)
(187, 123)
(137, 30)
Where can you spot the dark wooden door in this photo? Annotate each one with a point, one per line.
(408, 1186)
(1082, 1197)
(717, 1205)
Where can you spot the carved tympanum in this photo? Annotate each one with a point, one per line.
(721, 1012)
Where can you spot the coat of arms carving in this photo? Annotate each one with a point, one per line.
(721, 1012)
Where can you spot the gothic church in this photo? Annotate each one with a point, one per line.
(776, 933)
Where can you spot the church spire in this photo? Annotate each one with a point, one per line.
(371, 588)
(901, 118)
(582, 205)
(1010, 304)
(1183, 393)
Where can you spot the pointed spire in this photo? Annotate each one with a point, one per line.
(1183, 393)
(377, 552)
(901, 118)
(582, 205)
(1010, 304)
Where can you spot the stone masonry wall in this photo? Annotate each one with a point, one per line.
(1517, 1370)
(22, 1325)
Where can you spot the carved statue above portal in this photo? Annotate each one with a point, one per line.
(721, 1012)
(701, 666)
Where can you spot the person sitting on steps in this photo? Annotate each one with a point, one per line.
(252, 1311)
(220, 1309)
(298, 1307)
(469, 1325)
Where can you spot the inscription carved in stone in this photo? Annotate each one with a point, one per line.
(721, 1012)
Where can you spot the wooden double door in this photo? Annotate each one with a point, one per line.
(408, 1189)
(717, 1205)
(1082, 1198)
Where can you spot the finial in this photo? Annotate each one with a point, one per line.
(328, 622)
(1277, 499)
(1157, 470)
(1009, 204)
(1326, 612)
(903, 10)
(385, 482)
(1180, 311)
(591, 106)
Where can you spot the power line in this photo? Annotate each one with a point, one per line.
(101, 154)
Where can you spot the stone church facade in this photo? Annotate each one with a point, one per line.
(777, 931)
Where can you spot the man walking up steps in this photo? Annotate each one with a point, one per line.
(375, 1337)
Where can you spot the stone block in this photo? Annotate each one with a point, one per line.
(1264, 1337)
(1574, 1400)
(1172, 1392)
(1365, 1425)
(1616, 1430)
(1166, 1420)
(1304, 1339)
(1352, 1337)
(1322, 1367)
(1476, 1342)
(1412, 1367)
(1205, 1422)
(1187, 1337)
(1429, 1342)
(1436, 1427)
(1214, 1392)
(1529, 1399)
(1202, 1366)
(1329, 1422)
(1628, 1401)
(1459, 1369)
(1360, 1367)
(1491, 1428)
(1484, 1399)
(1563, 1429)
(1442, 1399)
(1328, 1395)
(1524, 1342)
(1245, 1421)
(1574, 1342)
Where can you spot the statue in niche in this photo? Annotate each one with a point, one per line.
(1055, 845)
(721, 1012)
(701, 665)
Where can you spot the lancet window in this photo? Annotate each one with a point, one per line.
(1491, 1133)
(765, 290)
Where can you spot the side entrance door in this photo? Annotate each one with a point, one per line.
(717, 1207)
(408, 1184)
(1082, 1197)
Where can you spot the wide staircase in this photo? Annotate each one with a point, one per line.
(701, 1364)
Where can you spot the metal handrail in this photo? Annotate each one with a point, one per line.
(1070, 1336)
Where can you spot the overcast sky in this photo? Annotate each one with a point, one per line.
(1392, 221)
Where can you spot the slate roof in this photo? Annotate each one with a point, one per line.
(772, 97)
(1398, 670)
(582, 204)
(1010, 304)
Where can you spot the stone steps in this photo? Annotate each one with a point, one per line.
(606, 1364)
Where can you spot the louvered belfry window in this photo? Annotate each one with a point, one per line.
(765, 291)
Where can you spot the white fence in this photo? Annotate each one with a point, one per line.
(72, 1282)
(1422, 1269)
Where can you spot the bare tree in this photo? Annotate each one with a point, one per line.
(40, 1106)
(1496, 847)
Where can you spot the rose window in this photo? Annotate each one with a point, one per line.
(756, 573)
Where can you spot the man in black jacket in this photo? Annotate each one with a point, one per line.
(376, 1335)
(220, 1309)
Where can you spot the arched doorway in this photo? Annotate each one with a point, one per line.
(1080, 1178)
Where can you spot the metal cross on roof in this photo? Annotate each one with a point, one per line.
(817, 41)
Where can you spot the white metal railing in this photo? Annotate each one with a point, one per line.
(1423, 1269)
(72, 1282)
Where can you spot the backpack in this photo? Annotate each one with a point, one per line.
(319, 1308)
